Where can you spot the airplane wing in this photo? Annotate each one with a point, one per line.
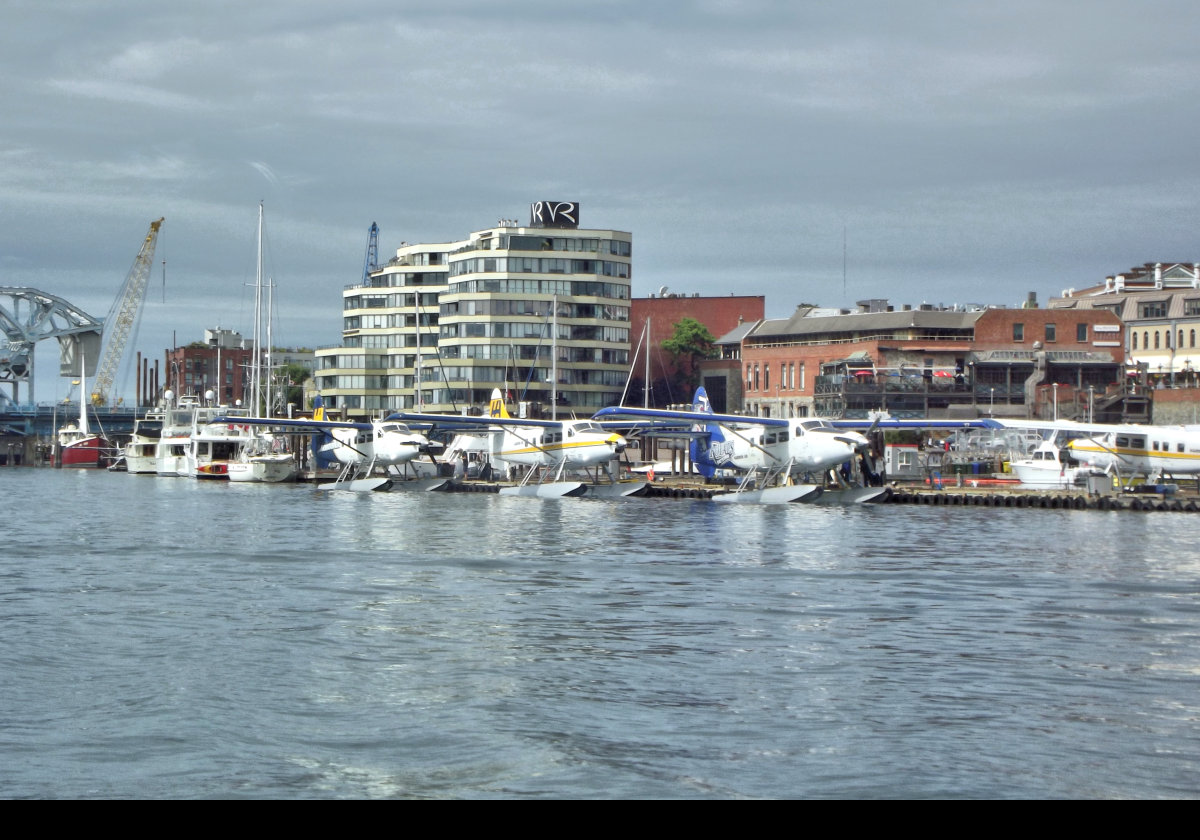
(466, 423)
(300, 425)
(618, 412)
(915, 423)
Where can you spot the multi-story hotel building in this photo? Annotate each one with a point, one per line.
(540, 311)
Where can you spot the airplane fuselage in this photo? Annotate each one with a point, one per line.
(808, 445)
(1142, 449)
(578, 443)
(387, 444)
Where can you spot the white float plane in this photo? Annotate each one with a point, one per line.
(552, 447)
(783, 449)
(1126, 449)
(1152, 451)
(359, 447)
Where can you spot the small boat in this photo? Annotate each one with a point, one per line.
(262, 458)
(213, 446)
(141, 451)
(1049, 467)
(170, 452)
(78, 445)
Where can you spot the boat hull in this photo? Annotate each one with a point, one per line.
(1052, 478)
(83, 453)
(265, 470)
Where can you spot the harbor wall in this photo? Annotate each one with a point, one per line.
(1177, 406)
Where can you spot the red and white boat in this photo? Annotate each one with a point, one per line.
(78, 445)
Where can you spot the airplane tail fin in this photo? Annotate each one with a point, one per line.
(496, 407)
(321, 457)
(699, 448)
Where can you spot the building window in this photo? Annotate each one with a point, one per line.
(1145, 339)
(801, 387)
(767, 377)
(1018, 332)
(1134, 340)
(1081, 333)
(1156, 339)
(1191, 307)
(1051, 333)
(1179, 341)
(1191, 338)
(1153, 309)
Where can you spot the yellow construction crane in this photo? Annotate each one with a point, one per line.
(124, 317)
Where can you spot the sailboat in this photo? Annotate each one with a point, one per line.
(262, 456)
(79, 446)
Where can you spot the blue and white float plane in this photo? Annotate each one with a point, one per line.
(782, 450)
(551, 446)
(359, 447)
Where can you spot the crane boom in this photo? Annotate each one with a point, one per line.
(372, 260)
(124, 316)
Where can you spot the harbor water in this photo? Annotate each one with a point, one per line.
(172, 638)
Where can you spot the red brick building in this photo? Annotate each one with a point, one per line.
(928, 362)
(220, 363)
(720, 314)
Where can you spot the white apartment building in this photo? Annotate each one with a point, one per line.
(540, 311)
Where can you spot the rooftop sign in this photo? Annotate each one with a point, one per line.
(556, 214)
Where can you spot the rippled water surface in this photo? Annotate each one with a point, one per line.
(175, 638)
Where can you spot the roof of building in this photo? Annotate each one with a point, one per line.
(802, 324)
(735, 335)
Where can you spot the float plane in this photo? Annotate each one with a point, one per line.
(781, 450)
(359, 447)
(1152, 451)
(549, 448)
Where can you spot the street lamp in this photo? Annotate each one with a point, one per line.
(991, 402)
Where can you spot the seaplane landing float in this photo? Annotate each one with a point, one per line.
(791, 494)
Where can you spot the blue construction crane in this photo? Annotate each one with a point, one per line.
(372, 260)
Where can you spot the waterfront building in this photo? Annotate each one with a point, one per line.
(931, 362)
(1159, 304)
(540, 311)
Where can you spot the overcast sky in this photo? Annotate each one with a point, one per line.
(968, 152)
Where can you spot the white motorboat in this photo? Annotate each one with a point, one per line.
(141, 451)
(1049, 467)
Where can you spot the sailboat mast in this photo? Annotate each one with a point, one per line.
(255, 368)
(646, 360)
(270, 345)
(83, 424)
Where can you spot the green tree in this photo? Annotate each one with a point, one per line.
(294, 377)
(690, 343)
